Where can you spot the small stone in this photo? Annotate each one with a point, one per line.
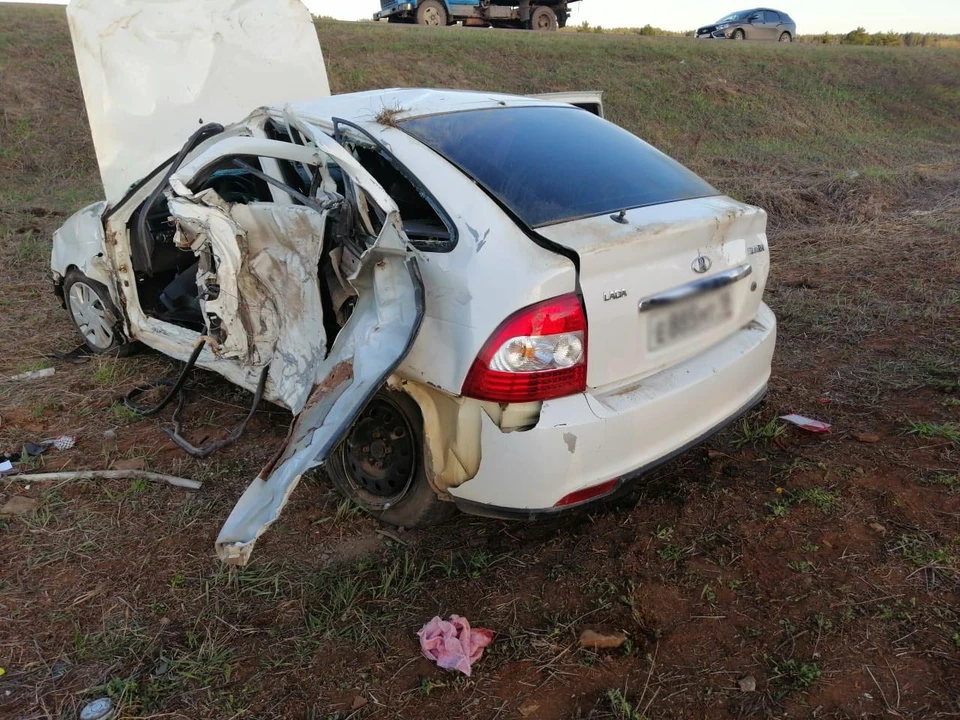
(878, 528)
(748, 683)
(110, 434)
(129, 464)
(358, 702)
(529, 708)
(19, 505)
(597, 641)
(866, 437)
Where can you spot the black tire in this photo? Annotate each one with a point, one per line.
(389, 430)
(543, 19)
(94, 315)
(432, 13)
(785, 37)
(738, 35)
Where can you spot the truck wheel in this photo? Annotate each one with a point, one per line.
(379, 464)
(432, 12)
(544, 19)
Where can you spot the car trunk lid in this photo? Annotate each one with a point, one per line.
(664, 282)
(152, 71)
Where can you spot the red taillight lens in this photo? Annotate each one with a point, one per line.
(588, 493)
(538, 353)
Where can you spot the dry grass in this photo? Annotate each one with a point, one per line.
(824, 567)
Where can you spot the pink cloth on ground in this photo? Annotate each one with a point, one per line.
(453, 644)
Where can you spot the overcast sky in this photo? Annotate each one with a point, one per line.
(812, 16)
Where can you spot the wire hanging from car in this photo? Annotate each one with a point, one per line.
(178, 389)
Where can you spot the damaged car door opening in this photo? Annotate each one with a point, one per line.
(416, 275)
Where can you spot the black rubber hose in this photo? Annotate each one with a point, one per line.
(175, 433)
(174, 387)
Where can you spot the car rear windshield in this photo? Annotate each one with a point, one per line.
(551, 164)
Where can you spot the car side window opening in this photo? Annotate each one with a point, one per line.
(165, 273)
(421, 222)
(425, 223)
(771, 17)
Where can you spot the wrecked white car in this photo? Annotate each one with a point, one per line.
(503, 304)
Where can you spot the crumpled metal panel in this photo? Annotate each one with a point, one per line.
(381, 329)
(375, 339)
(268, 307)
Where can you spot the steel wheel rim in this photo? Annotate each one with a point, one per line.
(543, 21)
(381, 434)
(90, 315)
(431, 16)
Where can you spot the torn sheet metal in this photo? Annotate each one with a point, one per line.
(376, 338)
(263, 259)
(378, 335)
(150, 69)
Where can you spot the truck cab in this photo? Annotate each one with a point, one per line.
(542, 15)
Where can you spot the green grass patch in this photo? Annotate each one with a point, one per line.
(931, 430)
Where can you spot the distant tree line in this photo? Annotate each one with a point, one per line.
(648, 30)
(860, 36)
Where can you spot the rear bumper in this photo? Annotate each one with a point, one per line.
(587, 439)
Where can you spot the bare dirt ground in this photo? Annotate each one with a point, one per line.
(824, 567)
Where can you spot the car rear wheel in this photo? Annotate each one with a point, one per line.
(94, 314)
(738, 35)
(379, 464)
(433, 13)
(785, 37)
(544, 19)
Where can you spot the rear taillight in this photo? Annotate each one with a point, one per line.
(538, 353)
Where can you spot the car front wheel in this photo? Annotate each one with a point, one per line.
(738, 35)
(785, 37)
(379, 465)
(94, 314)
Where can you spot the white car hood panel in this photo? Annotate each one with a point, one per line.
(153, 71)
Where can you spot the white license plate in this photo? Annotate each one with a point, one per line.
(684, 321)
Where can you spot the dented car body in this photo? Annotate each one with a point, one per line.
(461, 301)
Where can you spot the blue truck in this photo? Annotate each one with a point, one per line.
(544, 15)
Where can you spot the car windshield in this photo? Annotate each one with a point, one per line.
(733, 17)
(550, 164)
